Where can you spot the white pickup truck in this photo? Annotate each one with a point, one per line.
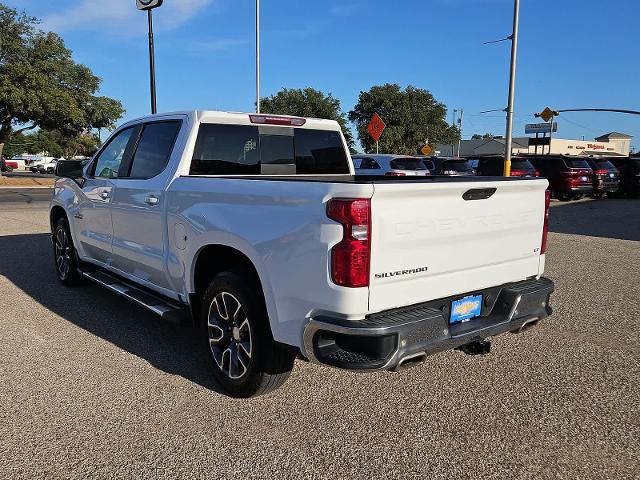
(256, 227)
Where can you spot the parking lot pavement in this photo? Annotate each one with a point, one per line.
(93, 386)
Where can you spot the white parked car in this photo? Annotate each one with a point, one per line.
(389, 165)
(256, 227)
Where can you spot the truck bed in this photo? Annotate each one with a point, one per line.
(372, 179)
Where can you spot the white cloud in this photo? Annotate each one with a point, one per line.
(120, 17)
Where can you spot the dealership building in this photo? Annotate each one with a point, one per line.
(611, 144)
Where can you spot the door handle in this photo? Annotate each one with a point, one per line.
(104, 195)
(151, 200)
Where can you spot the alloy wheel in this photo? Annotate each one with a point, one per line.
(229, 335)
(63, 252)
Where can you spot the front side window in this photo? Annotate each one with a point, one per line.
(154, 149)
(109, 160)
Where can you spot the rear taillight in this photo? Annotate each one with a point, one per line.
(545, 226)
(519, 173)
(601, 172)
(351, 257)
(395, 174)
(536, 173)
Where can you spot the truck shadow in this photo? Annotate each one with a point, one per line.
(174, 349)
(608, 218)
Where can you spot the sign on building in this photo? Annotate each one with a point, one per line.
(540, 128)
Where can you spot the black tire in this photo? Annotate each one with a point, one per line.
(64, 254)
(241, 370)
(563, 197)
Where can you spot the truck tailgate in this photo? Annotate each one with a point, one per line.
(429, 242)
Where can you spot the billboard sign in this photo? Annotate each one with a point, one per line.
(540, 128)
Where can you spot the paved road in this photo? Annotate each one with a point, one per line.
(95, 387)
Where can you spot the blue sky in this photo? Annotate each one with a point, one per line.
(573, 53)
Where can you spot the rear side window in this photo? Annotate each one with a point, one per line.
(576, 163)
(249, 150)
(407, 164)
(429, 164)
(154, 149)
(320, 151)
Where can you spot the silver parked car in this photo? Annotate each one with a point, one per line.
(391, 165)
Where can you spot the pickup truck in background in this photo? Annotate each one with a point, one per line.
(256, 228)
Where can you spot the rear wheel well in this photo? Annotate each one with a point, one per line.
(212, 260)
(56, 214)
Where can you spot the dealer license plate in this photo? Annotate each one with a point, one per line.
(465, 308)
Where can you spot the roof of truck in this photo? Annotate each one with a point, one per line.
(239, 118)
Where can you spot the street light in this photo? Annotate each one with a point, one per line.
(257, 56)
(149, 5)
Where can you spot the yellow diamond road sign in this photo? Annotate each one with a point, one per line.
(426, 150)
(546, 114)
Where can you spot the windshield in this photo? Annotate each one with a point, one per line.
(407, 163)
(457, 165)
(576, 163)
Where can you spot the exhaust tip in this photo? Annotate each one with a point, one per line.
(410, 361)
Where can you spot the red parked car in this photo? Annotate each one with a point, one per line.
(570, 177)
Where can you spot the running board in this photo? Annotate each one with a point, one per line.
(172, 312)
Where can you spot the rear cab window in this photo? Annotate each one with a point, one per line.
(268, 150)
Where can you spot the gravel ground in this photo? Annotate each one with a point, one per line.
(93, 386)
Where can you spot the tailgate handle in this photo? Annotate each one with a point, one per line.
(478, 193)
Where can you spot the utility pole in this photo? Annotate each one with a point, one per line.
(460, 129)
(257, 56)
(152, 64)
(512, 81)
(453, 124)
(149, 5)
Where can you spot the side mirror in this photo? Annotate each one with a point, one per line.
(73, 169)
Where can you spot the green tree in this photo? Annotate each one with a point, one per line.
(477, 136)
(307, 102)
(42, 87)
(54, 143)
(412, 117)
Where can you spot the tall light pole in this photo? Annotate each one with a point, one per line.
(257, 56)
(149, 5)
(512, 81)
